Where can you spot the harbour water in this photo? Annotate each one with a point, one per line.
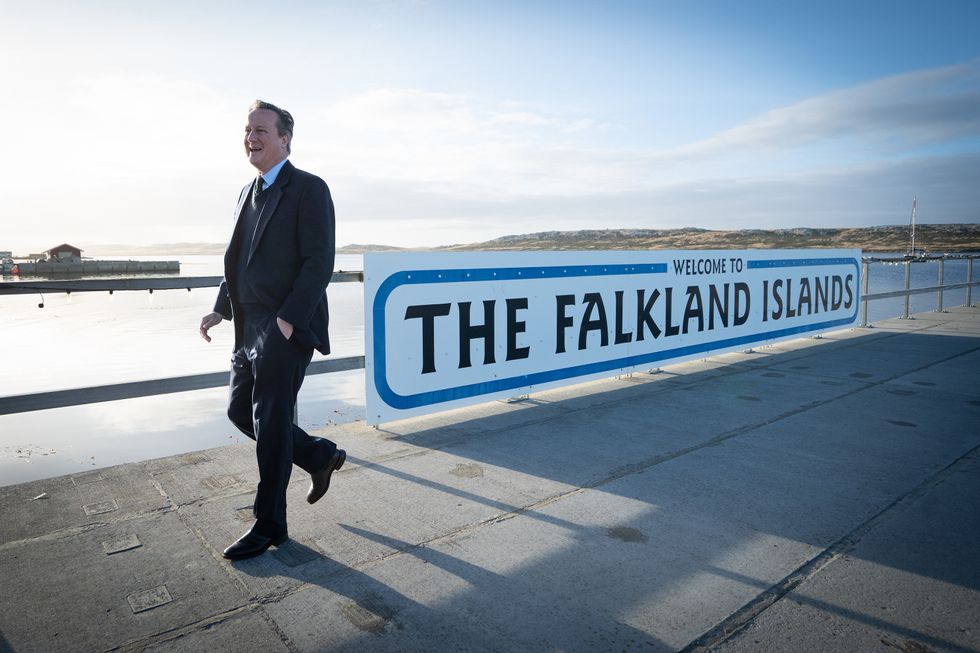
(89, 339)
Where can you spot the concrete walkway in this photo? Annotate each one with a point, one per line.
(818, 495)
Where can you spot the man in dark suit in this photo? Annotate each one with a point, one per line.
(277, 267)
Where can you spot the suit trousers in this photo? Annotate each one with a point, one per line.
(266, 375)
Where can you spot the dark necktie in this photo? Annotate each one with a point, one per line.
(258, 188)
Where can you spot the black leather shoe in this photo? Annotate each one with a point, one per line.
(252, 544)
(321, 479)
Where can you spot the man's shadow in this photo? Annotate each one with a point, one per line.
(372, 607)
(375, 608)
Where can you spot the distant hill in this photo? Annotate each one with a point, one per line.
(893, 238)
(160, 249)
(932, 237)
(360, 249)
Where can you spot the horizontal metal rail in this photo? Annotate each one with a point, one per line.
(918, 291)
(919, 259)
(132, 283)
(77, 396)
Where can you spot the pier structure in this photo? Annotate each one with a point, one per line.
(67, 260)
(95, 267)
(821, 494)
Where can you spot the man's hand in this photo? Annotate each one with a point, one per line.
(208, 321)
(285, 327)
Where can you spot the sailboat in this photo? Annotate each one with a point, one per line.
(913, 254)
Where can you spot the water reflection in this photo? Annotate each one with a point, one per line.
(79, 438)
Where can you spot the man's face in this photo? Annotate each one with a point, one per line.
(264, 147)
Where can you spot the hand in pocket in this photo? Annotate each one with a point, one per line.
(285, 328)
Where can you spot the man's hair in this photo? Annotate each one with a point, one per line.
(284, 120)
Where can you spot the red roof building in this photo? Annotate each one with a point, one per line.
(64, 252)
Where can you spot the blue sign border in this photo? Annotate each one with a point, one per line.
(411, 277)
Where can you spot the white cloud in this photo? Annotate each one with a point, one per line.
(159, 159)
(854, 156)
(523, 118)
(582, 125)
(451, 145)
(909, 110)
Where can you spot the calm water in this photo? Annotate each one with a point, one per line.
(94, 339)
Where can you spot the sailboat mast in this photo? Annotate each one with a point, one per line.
(912, 251)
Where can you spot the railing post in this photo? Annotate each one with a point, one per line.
(969, 279)
(864, 293)
(908, 297)
(939, 294)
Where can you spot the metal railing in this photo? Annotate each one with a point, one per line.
(133, 283)
(908, 291)
(130, 390)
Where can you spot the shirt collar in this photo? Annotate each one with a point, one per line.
(270, 176)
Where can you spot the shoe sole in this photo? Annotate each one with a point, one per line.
(276, 542)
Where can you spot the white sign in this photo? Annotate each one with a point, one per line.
(446, 330)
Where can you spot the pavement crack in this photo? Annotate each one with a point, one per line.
(60, 534)
(72, 531)
(163, 493)
(173, 634)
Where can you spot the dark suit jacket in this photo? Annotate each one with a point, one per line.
(291, 258)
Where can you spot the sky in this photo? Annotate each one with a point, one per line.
(459, 121)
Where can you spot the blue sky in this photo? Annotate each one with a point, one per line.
(442, 122)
